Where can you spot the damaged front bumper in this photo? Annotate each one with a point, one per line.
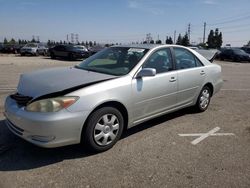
(44, 129)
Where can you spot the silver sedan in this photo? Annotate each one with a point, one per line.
(117, 88)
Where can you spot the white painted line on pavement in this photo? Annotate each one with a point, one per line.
(7, 88)
(202, 136)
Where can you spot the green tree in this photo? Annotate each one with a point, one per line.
(248, 44)
(210, 39)
(220, 41)
(49, 43)
(179, 40)
(12, 41)
(185, 40)
(214, 39)
(169, 40)
(33, 40)
(5, 41)
(90, 43)
(152, 42)
(158, 42)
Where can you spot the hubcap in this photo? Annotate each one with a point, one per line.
(204, 99)
(106, 129)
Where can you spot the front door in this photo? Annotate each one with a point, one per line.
(153, 95)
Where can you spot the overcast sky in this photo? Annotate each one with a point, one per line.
(124, 21)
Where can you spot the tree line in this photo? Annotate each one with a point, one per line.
(214, 40)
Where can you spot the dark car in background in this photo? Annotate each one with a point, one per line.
(95, 49)
(1, 47)
(69, 52)
(234, 54)
(11, 48)
(246, 49)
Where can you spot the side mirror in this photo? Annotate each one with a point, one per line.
(145, 72)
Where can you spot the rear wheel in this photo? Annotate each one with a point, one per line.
(52, 55)
(203, 99)
(103, 129)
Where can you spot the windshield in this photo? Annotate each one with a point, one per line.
(31, 45)
(239, 51)
(115, 60)
(80, 47)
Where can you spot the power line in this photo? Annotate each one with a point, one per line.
(230, 21)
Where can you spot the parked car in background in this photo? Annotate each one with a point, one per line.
(115, 89)
(246, 49)
(95, 49)
(84, 50)
(11, 48)
(69, 52)
(1, 47)
(34, 49)
(234, 54)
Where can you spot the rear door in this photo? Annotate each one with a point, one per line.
(191, 75)
(153, 95)
(59, 51)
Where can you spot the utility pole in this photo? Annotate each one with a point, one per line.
(189, 30)
(148, 37)
(204, 33)
(76, 37)
(174, 36)
(72, 36)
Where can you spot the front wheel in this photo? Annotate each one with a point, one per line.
(203, 99)
(103, 129)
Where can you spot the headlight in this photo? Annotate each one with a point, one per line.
(52, 104)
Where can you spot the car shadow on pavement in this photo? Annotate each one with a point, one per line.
(64, 59)
(157, 121)
(18, 154)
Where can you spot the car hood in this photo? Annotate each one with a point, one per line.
(48, 81)
(28, 48)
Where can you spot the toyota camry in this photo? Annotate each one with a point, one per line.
(115, 89)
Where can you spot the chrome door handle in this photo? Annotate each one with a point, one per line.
(172, 79)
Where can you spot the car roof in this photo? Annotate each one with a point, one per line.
(145, 46)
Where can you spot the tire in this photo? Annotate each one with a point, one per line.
(70, 57)
(236, 59)
(103, 129)
(203, 100)
(52, 55)
(22, 54)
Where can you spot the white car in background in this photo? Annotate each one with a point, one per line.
(34, 49)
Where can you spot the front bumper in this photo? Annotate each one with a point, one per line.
(44, 129)
(27, 51)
